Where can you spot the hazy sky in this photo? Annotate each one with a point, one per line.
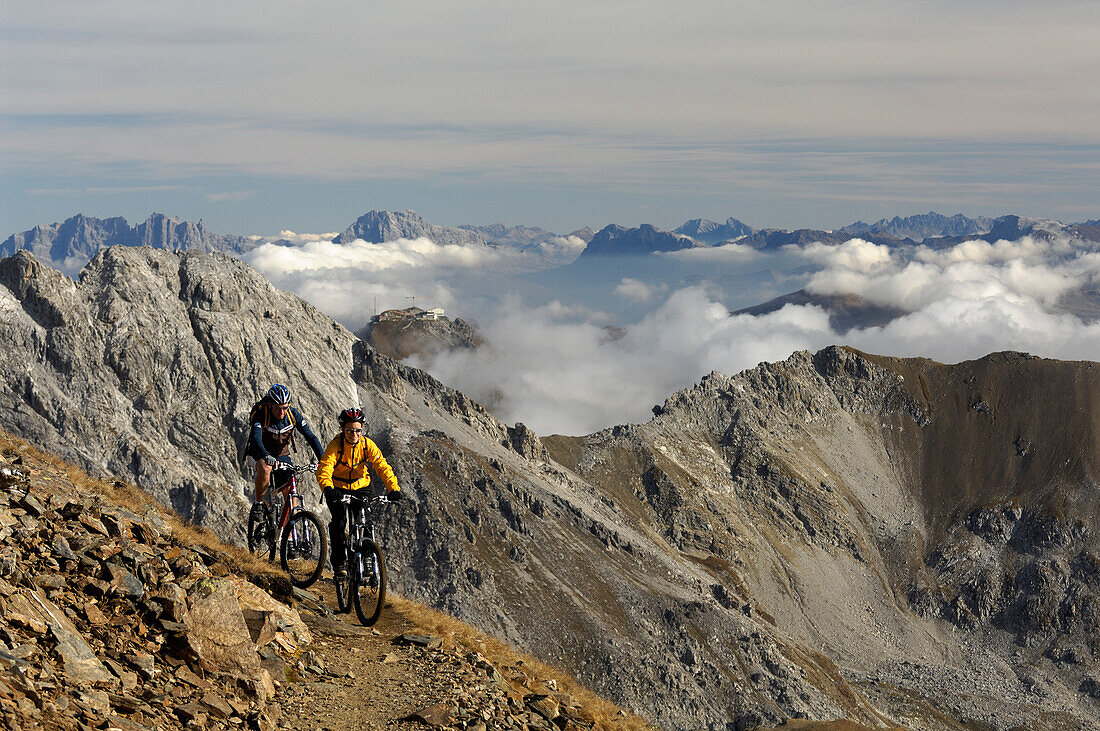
(259, 117)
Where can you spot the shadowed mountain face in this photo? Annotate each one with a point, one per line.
(616, 240)
(835, 535)
(846, 311)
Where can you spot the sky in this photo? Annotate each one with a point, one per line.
(258, 117)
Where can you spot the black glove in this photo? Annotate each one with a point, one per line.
(393, 495)
(269, 460)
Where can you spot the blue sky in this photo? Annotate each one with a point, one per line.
(259, 117)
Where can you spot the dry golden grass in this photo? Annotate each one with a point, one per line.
(601, 712)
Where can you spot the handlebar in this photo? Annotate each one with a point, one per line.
(295, 468)
(348, 497)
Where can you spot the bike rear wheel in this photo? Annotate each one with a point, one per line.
(368, 583)
(261, 532)
(304, 548)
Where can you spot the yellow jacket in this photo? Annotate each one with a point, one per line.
(345, 465)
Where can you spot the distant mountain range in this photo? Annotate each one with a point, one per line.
(381, 226)
(70, 244)
(924, 226)
(645, 239)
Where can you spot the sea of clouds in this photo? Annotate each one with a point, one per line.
(556, 367)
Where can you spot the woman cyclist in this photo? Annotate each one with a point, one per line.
(343, 467)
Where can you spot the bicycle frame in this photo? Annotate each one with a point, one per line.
(291, 500)
(360, 522)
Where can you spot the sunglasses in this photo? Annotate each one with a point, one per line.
(353, 431)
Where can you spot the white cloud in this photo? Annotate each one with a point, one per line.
(317, 254)
(912, 280)
(568, 377)
(856, 255)
(636, 291)
(727, 253)
(296, 238)
(566, 247)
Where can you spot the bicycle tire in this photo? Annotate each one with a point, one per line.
(368, 583)
(303, 548)
(261, 535)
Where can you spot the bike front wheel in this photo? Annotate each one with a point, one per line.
(304, 548)
(261, 532)
(368, 583)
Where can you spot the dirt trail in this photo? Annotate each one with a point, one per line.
(368, 681)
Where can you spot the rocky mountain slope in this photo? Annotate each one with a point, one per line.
(72, 243)
(114, 615)
(833, 536)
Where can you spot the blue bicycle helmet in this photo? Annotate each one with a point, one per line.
(279, 394)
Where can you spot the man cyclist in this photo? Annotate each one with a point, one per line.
(343, 468)
(272, 435)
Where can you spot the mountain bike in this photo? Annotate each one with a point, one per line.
(303, 542)
(365, 584)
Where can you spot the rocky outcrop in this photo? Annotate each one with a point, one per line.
(412, 336)
(107, 618)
